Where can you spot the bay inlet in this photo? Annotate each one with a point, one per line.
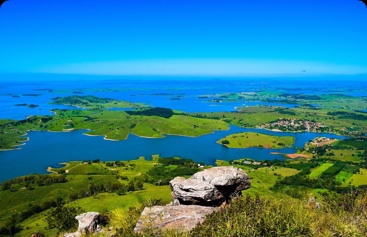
(46, 149)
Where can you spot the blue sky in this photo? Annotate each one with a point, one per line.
(184, 37)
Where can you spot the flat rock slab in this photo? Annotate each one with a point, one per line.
(181, 218)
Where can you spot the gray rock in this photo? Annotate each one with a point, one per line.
(88, 223)
(181, 218)
(195, 191)
(210, 187)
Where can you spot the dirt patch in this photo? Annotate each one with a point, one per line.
(294, 156)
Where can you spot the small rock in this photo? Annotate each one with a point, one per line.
(88, 222)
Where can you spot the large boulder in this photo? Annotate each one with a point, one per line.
(192, 191)
(210, 187)
(181, 218)
(88, 223)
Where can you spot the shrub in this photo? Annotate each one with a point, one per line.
(62, 218)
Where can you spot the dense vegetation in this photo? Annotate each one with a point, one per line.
(158, 111)
(169, 168)
(90, 101)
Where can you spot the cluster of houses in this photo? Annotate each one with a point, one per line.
(285, 124)
(248, 162)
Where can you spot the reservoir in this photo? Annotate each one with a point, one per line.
(50, 148)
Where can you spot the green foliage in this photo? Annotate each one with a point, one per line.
(286, 111)
(170, 168)
(158, 111)
(90, 101)
(37, 179)
(301, 96)
(62, 217)
(252, 139)
(332, 171)
(303, 165)
(348, 115)
(225, 142)
(255, 216)
(10, 230)
(359, 143)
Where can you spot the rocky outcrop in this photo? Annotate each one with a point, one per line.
(172, 217)
(210, 187)
(194, 198)
(88, 223)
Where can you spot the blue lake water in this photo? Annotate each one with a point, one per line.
(186, 94)
(175, 93)
(50, 148)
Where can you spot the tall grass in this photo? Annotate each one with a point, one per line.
(341, 215)
(255, 216)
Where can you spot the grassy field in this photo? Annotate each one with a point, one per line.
(80, 175)
(92, 102)
(114, 125)
(284, 171)
(82, 178)
(255, 116)
(104, 203)
(343, 176)
(318, 171)
(251, 139)
(358, 179)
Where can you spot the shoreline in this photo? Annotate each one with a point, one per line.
(49, 168)
(295, 156)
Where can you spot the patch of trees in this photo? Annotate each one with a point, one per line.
(46, 119)
(302, 180)
(286, 111)
(225, 142)
(291, 184)
(13, 225)
(110, 187)
(80, 100)
(359, 143)
(165, 171)
(62, 218)
(302, 166)
(347, 115)
(10, 230)
(117, 163)
(158, 111)
(332, 171)
(301, 96)
(37, 179)
(320, 150)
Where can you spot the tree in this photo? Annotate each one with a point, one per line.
(62, 218)
(225, 142)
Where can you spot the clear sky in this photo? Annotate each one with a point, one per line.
(184, 37)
